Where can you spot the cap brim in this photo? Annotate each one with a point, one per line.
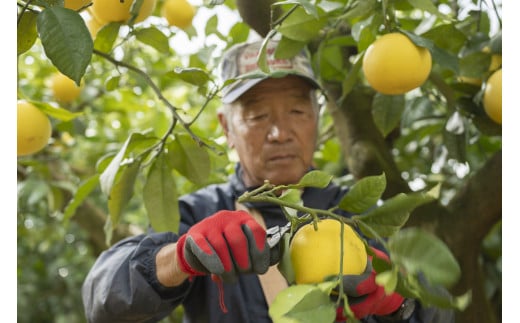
(239, 88)
(242, 86)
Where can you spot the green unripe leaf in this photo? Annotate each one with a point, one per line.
(26, 32)
(315, 178)
(364, 194)
(153, 37)
(419, 251)
(66, 41)
(160, 197)
(301, 26)
(189, 159)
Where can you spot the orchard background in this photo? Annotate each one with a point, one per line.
(143, 127)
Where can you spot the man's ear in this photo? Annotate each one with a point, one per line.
(225, 126)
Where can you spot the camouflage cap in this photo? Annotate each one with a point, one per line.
(239, 63)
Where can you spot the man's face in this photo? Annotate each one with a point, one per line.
(273, 128)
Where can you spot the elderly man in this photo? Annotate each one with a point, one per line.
(219, 266)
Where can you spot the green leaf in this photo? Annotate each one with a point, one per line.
(301, 26)
(309, 7)
(314, 307)
(239, 32)
(106, 37)
(189, 159)
(285, 265)
(475, 64)
(80, 195)
(288, 48)
(211, 26)
(387, 111)
(392, 214)
(388, 279)
(417, 287)
(195, 76)
(122, 191)
(134, 142)
(364, 194)
(153, 37)
(26, 32)
(303, 304)
(160, 197)
(451, 44)
(56, 112)
(66, 41)
(112, 83)
(291, 196)
(439, 56)
(315, 178)
(419, 251)
(361, 9)
(331, 63)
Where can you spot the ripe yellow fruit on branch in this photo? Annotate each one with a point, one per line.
(106, 11)
(93, 25)
(63, 88)
(315, 254)
(33, 129)
(394, 65)
(76, 4)
(178, 13)
(492, 99)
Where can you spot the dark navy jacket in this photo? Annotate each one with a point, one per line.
(122, 285)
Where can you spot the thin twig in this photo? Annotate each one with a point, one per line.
(158, 92)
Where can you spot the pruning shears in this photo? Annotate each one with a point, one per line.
(275, 234)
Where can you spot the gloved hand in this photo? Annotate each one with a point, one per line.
(365, 296)
(224, 244)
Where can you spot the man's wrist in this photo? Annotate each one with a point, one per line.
(167, 268)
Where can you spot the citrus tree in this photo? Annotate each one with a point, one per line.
(142, 130)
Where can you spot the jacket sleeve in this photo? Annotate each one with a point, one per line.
(122, 285)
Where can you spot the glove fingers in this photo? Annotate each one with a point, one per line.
(237, 247)
(368, 304)
(202, 255)
(389, 304)
(258, 249)
(364, 283)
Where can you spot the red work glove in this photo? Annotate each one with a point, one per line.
(365, 296)
(224, 244)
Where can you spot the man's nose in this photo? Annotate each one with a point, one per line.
(279, 131)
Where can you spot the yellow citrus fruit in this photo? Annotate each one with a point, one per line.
(63, 88)
(178, 13)
(496, 62)
(315, 254)
(106, 11)
(33, 129)
(93, 25)
(393, 64)
(492, 99)
(76, 4)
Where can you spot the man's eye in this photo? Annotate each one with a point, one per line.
(257, 117)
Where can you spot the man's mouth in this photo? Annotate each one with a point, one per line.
(281, 158)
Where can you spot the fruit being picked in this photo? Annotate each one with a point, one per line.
(315, 254)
